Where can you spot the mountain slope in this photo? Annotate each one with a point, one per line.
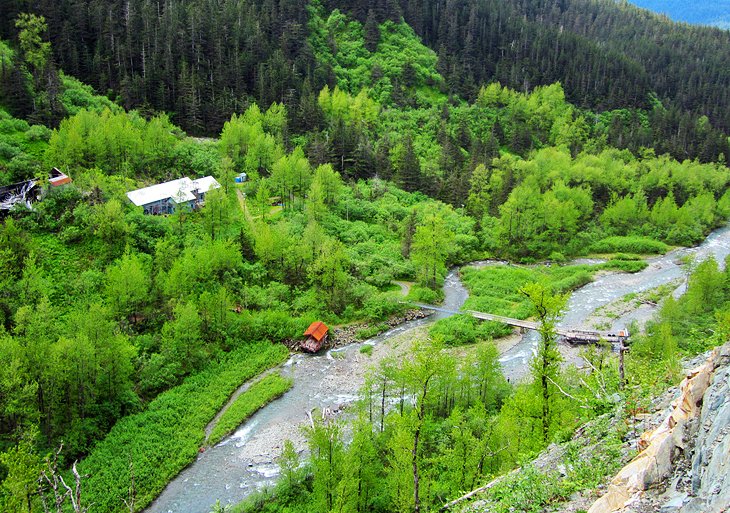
(606, 54)
(204, 59)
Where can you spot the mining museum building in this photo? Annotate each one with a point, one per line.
(165, 198)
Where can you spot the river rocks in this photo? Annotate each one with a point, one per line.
(346, 335)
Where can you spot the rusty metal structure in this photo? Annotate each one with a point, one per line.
(21, 193)
(28, 192)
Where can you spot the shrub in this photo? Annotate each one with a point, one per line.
(424, 295)
(461, 330)
(370, 331)
(38, 133)
(628, 266)
(629, 244)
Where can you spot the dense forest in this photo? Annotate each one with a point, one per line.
(376, 149)
(204, 60)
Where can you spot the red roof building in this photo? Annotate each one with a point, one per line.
(58, 178)
(316, 336)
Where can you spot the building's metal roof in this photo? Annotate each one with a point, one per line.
(57, 181)
(206, 183)
(180, 190)
(317, 330)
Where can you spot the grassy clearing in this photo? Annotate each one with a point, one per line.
(495, 290)
(259, 395)
(371, 331)
(627, 266)
(162, 440)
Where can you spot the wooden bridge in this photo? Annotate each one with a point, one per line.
(573, 336)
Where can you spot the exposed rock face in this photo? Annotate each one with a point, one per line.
(685, 463)
(710, 473)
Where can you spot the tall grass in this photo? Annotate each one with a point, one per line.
(248, 403)
(162, 440)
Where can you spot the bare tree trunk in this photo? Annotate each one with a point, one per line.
(51, 480)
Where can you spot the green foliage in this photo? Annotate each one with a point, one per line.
(253, 140)
(528, 491)
(166, 436)
(21, 149)
(32, 30)
(19, 488)
(86, 278)
(628, 266)
(495, 289)
(260, 394)
(430, 250)
(393, 67)
(77, 96)
(117, 142)
(641, 245)
(370, 332)
(460, 330)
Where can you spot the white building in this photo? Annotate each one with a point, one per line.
(164, 198)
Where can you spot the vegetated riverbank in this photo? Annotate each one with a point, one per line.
(156, 444)
(699, 318)
(244, 462)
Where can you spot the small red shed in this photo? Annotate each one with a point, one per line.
(57, 178)
(316, 336)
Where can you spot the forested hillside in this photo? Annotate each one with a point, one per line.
(204, 60)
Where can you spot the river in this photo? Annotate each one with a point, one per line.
(244, 463)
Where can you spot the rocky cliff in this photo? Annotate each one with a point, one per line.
(684, 464)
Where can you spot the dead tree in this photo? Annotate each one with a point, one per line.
(132, 492)
(51, 482)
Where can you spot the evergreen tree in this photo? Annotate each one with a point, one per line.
(408, 166)
(372, 32)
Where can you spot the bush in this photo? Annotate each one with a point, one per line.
(425, 295)
(557, 257)
(572, 282)
(8, 150)
(628, 266)
(383, 305)
(629, 244)
(459, 330)
(370, 331)
(38, 133)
